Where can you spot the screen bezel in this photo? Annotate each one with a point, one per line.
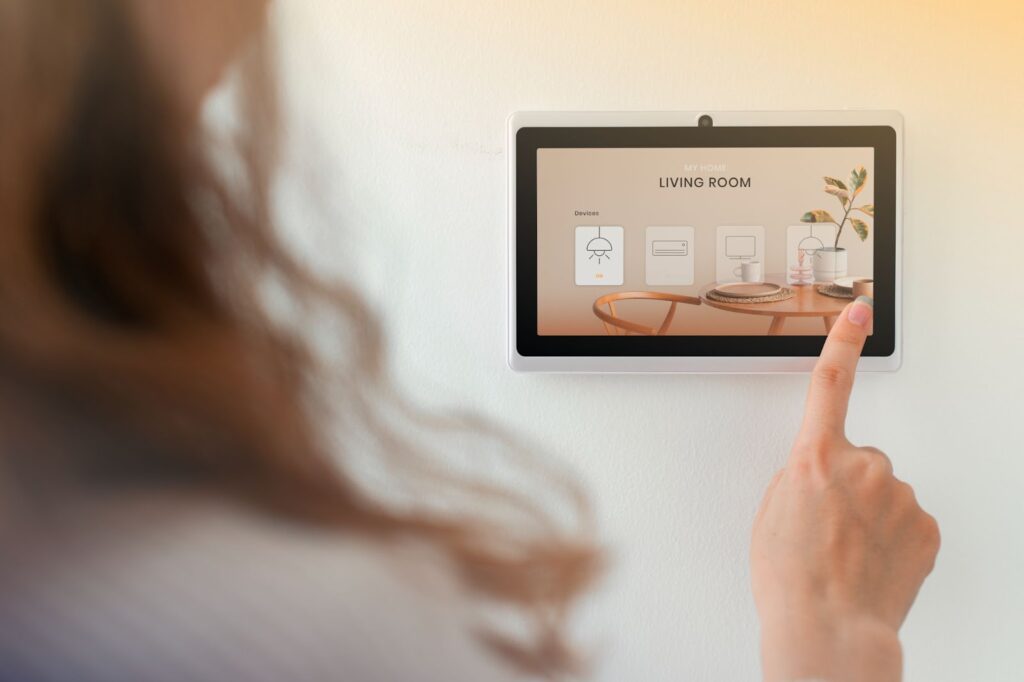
(527, 139)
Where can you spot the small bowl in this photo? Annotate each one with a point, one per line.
(864, 287)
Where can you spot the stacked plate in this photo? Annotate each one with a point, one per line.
(801, 275)
(843, 287)
(845, 284)
(747, 290)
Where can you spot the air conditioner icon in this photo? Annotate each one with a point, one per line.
(666, 247)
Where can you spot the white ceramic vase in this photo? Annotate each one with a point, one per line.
(829, 264)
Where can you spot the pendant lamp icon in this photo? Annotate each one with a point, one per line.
(599, 247)
(809, 244)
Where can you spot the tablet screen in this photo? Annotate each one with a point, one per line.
(769, 240)
(738, 241)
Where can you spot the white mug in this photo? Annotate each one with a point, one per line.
(750, 271)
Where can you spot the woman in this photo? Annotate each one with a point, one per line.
(193, 491)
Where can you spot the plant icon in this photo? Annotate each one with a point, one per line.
(847, 196)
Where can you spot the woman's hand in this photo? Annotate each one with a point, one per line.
(840, 546)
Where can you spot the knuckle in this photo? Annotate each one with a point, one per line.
(801, 469)
(930, 532)
(773, 484)
(929, 540)
(807, 443)
(905, 494)
(832, 376)
(877, 481)
(858, 464)
(873, 450)
(814, 454)
(877, 461)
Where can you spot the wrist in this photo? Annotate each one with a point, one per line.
(839, 649)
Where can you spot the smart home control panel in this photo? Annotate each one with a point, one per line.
(704, 241)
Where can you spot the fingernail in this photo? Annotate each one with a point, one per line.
(862, 311)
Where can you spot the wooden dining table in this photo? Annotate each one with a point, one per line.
(806, 303)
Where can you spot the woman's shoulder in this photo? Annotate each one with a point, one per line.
(200, 591)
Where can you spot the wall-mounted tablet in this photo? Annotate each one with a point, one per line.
(700, 241)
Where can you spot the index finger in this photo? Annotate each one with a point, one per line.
(832, 378)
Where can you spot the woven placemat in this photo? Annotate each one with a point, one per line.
(782, 295)
(834, 291)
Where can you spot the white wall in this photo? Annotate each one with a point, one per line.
(400, 107)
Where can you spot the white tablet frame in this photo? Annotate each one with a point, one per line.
(677, 364)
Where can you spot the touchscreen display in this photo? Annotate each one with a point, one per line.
(768, 240)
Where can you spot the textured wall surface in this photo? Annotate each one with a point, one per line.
(397, 115)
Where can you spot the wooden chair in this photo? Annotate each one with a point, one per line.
(616, 326)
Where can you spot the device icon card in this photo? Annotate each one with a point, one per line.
(599, 256)
(737, 245)
(801, 243)
(669, 256)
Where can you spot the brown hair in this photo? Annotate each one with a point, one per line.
(150, 333)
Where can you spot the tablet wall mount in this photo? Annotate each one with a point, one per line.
(700, 241)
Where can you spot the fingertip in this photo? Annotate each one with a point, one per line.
(861, 311)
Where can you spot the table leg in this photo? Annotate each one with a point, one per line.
(829, 323)
(776, 327)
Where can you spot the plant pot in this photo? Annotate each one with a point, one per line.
(829, 264)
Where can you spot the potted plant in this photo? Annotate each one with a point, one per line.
(830, 262)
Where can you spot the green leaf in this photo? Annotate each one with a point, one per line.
(857, 179)
(818, 216)
(860, 227)
(834, 183)
(868, 209)
(841, 194)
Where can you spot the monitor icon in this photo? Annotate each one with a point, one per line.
(743, 246)
(736, 244)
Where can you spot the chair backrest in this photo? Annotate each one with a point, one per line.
(616, 326)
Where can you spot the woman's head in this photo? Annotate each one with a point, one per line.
(151, 327)
(193, 41)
